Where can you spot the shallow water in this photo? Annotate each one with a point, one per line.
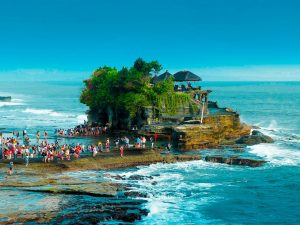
(191, 192)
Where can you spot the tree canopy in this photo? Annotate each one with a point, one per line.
(129, 89)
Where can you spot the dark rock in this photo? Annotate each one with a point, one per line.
(140, 177)
(255, 138)
(135, 194)
(5, 98)
(120, 209)
(235, 161)
(154, 183)
(118, 177)
(238, 150)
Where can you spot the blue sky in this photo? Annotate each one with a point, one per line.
(221, 39)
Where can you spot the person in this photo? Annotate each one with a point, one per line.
(26, 156)
(77, 150)
(138, 142)
(117, 141)
(94, 151)
(14, 151)
(122, 150)
(107, 145)
(67, 153)
(151, 141)
(38, 137)
(10, 168)
(45, 135)
(155, 137)
(143, 141)
(100, 147)
(169, 147)
(44, 155)
(126, 142)
(26, 140)
(58, 156)
(24, 133)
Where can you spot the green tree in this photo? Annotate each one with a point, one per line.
(126, 92)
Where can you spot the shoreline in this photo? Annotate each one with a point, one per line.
(100, 162)
(132, 158)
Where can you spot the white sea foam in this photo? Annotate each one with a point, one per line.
(280, 134)
(276, 154)
(168, 169)
(173, 186)
(48, 112)
(2, 104)
(14, 102)
(273, 125)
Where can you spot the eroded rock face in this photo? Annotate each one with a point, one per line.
(213, 131)
(255, 138)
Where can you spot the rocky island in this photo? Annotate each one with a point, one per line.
(167, 106)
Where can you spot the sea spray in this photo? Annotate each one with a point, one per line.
(276, 154)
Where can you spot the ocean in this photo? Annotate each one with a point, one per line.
(195, 192)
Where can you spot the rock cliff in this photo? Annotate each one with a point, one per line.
(211, 133)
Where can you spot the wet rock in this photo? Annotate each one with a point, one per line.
(238, 150)
(109, 211)
(93, 189)
(255, 138)
(118, 177)
(140, 177)
(235, 160)
(154, 183)
(135, 194)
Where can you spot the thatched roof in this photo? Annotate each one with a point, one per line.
(186, 75)
(164, 76)
(154, 79)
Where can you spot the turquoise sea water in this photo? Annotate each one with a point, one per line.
(190, 192)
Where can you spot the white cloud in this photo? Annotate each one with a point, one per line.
(249, 73)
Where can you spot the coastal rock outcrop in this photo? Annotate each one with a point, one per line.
(211, 133)
(256, 137)
(235, 161)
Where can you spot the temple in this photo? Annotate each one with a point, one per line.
(185, 82)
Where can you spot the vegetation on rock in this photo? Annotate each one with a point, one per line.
(123, 94)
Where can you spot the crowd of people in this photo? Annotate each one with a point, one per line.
(83, 130)
(11, 148)
(15, 147)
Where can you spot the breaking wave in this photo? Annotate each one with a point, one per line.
(48, 112)
(276, 154)
(14, 102)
